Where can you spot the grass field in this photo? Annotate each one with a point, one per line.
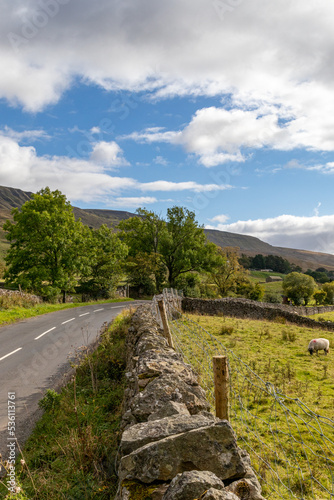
(278, 392)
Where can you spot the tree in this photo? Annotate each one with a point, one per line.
(106, 254)
(328, 288)
(46, 251)
(299, 287)
(178, 242)
(142, 234)
(184, 247)
(228, 272)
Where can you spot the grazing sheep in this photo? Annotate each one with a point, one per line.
(317, 345)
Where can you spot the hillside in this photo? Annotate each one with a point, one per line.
(249, 245)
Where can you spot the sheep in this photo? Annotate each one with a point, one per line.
(317, 345)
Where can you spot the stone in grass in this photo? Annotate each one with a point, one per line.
(211, 448)
(192, 484)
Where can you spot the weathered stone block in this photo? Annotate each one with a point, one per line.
(210, 448)
(214, 494)
(192, 484)
(138, 435)
(166, 388)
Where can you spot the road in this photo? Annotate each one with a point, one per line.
(36, 354)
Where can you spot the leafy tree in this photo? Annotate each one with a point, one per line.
(229, 271)
(299, 287)
(106, 254)
(144, 271)
(319, 297)
(178, 242)
(46, 251)
(259, 262)
(184, 246)
(142, 234)
(328, 288)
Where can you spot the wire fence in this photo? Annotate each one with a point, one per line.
(291, 447)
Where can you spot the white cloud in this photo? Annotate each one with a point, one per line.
(84, 180)
(183, 186)
(220, 218)
(108, 154)
(140, 201)
(258, 53)
(314, 233)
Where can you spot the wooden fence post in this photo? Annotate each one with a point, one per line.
(221, 380)
(165, 324)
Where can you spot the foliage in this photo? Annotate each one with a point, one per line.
(45, 254)
(231, 278)
(145, 272)
(106, 253)
(50, 401)
(299, 287)
(178, 243)
(274, 262)
(319, 297)
(328, 288)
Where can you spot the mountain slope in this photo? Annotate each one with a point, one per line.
(249, 245)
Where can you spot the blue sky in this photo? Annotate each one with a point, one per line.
(222, 106)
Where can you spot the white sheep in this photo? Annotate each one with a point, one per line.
(317, 345)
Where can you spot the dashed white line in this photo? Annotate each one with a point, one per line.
(116, 307)
(84, 314)
(64, 322)
(3, 357)
(45, 333)
(97, 310)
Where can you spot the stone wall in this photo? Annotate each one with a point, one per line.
(172, 447)
(244, 308)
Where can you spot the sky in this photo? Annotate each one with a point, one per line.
(225, 107)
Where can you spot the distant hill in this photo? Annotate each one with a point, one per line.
(249, 245)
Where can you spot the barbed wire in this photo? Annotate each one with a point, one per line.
(291, 446)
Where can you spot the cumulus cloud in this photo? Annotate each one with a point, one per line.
(314, 233)
(84, 180)
(174, 48)
(108, 154)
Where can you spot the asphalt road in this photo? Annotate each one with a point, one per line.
(36, 354)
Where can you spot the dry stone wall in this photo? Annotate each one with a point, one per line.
(172, 447)
(244, 308)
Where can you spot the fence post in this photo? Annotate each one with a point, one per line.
(165, 323)
(221, 381)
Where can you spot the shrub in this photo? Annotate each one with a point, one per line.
(50, 401)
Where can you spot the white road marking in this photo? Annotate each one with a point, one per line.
(63, 323)
(3, 357)
(45, 333)
(84, 314)
(116, 307)
(97, 310)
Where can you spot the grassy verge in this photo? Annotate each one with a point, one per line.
(17, 313)
(71, 453)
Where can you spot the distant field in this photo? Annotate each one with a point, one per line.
(260, 277)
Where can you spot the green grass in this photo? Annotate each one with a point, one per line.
(327, 316)
(269, 420)
(19, 313)
(71, 453)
